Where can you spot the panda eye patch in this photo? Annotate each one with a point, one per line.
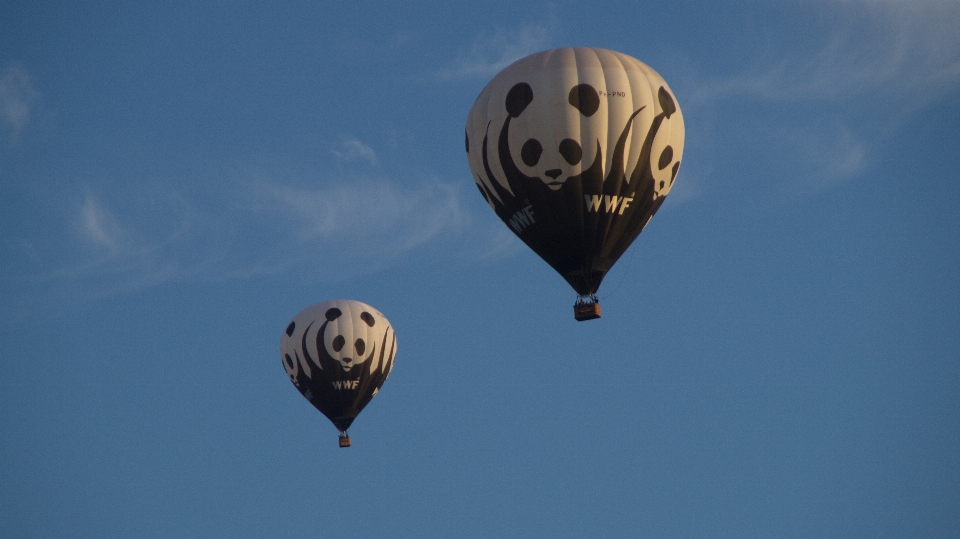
(665, 158)
(571, 151)
(367, 318)
(338, 343)
(584, 98)
(360, 346)
(530, 152)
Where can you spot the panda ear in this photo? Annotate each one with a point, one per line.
(290, 329)
(518, 98)
(666, 102)
(584, 98)
(332, 314)
(367, 318)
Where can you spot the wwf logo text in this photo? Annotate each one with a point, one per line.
(522, 219)
(607, 203)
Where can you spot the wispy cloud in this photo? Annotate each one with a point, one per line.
(362, 222)
(819, 155)
(821, 111)
(490, 54)
(351, 149)
(886, 48)
(17, 97)
(116, 242)
(113, 252)
(98, 225)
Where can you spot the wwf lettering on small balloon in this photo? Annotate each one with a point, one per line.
(345, 384)
(607, 203)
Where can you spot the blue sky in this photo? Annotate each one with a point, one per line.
(779, 354)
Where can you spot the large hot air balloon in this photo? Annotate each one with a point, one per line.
(575, 149)
(338, 354)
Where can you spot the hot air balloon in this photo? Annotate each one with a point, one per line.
(575, 149)
(338, 354)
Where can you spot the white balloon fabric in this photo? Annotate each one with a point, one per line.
(575, 150)
(338, 354)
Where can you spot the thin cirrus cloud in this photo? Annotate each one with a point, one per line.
(117, 240)
(363, 221)
(130, 252)
(819, 154)
(257, 228)
(99, 252)
(488, 55)
(98, 226)
(879, 48)
(336, 230)
(829, 106)
(351, 149)
(17, 98)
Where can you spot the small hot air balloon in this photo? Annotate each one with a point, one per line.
(575, 149)
(338, 354)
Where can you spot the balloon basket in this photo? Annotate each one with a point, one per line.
(344, 441)
(586, 311)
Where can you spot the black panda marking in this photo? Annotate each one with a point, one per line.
(367, 319)
(290, 329)
(676, 168)
(360, 346)
(484, 193)
(531, 151)
(466, 141)
(571, 151)
(289, 361)
(332, 314)
(518, 98)
(666, 102)
(338, 343)
(584, 98)
(666, 156)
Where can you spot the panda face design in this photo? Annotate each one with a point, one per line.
(666, 146)
(568, 123)
(349, 345)
(553, 158)
(294, 361)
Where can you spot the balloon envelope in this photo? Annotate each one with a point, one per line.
(338, 354)
(575, 149)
